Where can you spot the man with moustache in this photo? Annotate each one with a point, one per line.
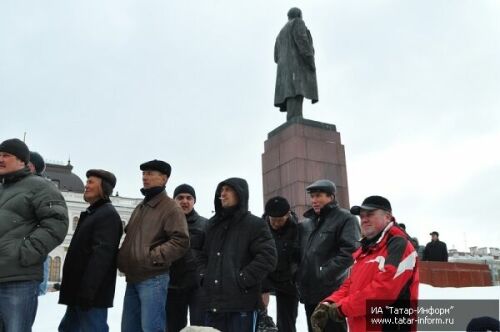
(327, 238)
(33, 221)
(156, 236)
(384, 271)
(183, 290)
(89, 272)
(238, 253)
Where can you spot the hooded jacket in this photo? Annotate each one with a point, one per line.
(327, 242)
(33, 221)
(238, 253)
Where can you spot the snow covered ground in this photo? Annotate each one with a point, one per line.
(50, 313)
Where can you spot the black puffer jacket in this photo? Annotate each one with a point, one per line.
(184, 272)
(286, 240)
(89, 272)
(327, 242)
(238, 253)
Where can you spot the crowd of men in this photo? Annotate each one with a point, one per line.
(220, 270)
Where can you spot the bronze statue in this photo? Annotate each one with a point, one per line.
(296, 74)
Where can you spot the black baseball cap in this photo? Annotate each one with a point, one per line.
(372, 203)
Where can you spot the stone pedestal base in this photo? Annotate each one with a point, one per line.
(298, 153)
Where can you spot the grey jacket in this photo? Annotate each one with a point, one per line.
(33, 221)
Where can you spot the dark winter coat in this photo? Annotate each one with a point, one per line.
(184, 272)
(327, 242)
(238, 253)
(33, 221)
(286, 240)
(436, 251)
(157, 235)
(294, 54)
(89, 272)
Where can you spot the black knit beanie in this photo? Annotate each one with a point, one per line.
(17, 148)
(185, 189)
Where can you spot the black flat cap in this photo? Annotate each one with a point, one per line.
(323, 185)
(157, 165)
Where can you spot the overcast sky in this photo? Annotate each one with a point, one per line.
(412, 86)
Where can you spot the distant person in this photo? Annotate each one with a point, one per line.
(36, 164)
(384, 269)
(37, 167)
(283, 224)
(238, 253)
(413, 240)
(89, 271)
(327, 238)
(296, 73)
(184, 288)
(33, 221)
(156, 236)
(435, 250)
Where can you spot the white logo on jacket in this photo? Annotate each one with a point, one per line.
(406, 264)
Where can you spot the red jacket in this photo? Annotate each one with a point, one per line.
(385, 269)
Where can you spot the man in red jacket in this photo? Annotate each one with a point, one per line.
(384, 271)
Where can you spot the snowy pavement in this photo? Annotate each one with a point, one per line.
(50, 312)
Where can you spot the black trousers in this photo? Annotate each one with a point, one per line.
(331, 326)
(287, 306)
(178, 302)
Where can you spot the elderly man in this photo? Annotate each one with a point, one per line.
(384, 270)
(184, 291)
(89, 272)
(238, 253)
(156, 236)
(327, 238)
(33, 221)
(296, 73)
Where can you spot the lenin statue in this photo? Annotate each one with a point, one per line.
(296, 75)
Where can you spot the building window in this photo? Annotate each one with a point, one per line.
(75, 222)
(55, 269)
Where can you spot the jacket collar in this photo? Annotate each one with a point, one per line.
(192, 216)
(15, 176)
(323, 212)
(153, 202)
(97, 204)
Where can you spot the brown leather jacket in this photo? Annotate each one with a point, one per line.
(156, 235)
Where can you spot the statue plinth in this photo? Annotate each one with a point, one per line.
(299, 152)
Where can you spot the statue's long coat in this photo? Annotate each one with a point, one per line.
(294, 54)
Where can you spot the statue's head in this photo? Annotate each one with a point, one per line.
(294, 13)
